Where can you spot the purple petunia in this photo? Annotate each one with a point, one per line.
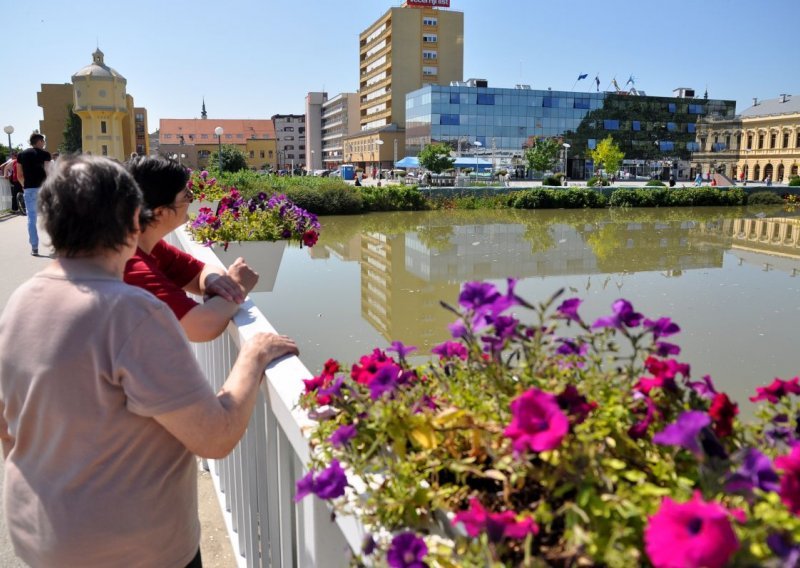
(401, 350)
(685, 431)
(458, 329)
(407, 551)
(623, 316)
(327, 484)
(782, 546)
(478, 296)
(385, 380)
(569, 309)
(342, 435)
(756, 472)
(662, 327)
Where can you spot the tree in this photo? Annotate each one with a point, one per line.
(73, 134)
(543, 154)
(233, 160)
(436, 158)
(607, 155)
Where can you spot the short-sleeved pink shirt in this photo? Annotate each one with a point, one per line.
(91, 479)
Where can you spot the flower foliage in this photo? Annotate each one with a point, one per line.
(535, 438)
(260, 218)
(204, 187)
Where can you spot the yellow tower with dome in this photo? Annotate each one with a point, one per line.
(105, 109)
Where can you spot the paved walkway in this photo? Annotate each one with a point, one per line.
(18, 265)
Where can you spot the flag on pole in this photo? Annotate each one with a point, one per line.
(582, 76)
(630, 81)
(616, 85)
(597, 82)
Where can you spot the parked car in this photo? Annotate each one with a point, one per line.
(335, 173)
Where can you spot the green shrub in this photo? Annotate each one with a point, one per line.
(638, 198)
(706, 196)
(327, 200)
(794, 181)
(764, 198)
(393, 198)
(551, 181)
(573, 198)
(655, 183)
(597, 181)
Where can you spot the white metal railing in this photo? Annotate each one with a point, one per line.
(255, 485)
(5, 194)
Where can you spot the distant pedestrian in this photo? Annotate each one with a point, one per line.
(672, 181)
(698, 179)
(741, 176)
(768, 180)
(10, 173)
(31, 173)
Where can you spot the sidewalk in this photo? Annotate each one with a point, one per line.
(18, 265)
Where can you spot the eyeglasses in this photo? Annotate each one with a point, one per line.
(188, 195)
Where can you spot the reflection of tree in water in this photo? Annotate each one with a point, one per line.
(607, 240)
(436, 237)
(540, 237)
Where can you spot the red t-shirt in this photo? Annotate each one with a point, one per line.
(164, 272)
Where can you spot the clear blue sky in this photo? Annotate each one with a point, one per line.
(256, 58)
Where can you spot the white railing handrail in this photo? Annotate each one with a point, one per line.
(256, 484)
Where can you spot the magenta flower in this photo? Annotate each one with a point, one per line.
(342, 435)
(575, 404)
(694, 534)
(623, 316)
(790, 479)
(538, 424)
(569, 309)
(568, 346)
(458, 329)
(450, 349)
(685, 431)
(639, 429)
(497, 526)
(407, 551)
(704, 387)
(756, 472)
(777, 390)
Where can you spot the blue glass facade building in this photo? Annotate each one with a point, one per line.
(506, 121)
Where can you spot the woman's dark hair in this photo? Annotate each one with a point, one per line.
(88, 205)
(160, 180)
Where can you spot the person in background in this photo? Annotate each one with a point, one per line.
(103, 406)
(9, 171)
(672, 181)
(168, 272)
(698, 180)
(31, 173)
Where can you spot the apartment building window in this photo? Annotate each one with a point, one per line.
(229, 136)
(672, 107)
(797, 141)
(301, 147)
(139, 117)
(429, 71)
(636, 125)
(695, 109)
(450, 119)
(728, 141)
(691, 128)
(429, 54)
(288, 128)
(581, 103)
(204, 136)
(429, 21)
(611, 124)
(672, 127)
(167, 136)
(105, 150)
(261, 154)
(252, 153)
(240, 136)
(288, 137)
(549, 102)
(485, 99)
(749, 141)
(301, 130)
(103, 127)
(760, 141)
(592, 143)
(785, 139)
(773, 138)
(289, 147)
(430, 38)
(270, 154)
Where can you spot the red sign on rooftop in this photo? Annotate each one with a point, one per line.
(428, 3)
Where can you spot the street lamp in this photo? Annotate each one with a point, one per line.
(313, 164)
(9, 130)
(566, 153)
(219, 131)
(477, 145)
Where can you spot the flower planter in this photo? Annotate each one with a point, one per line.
(262, 256)
(194, 206)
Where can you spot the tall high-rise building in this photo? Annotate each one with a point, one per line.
(313, 153)
(56, 101)
(406, 48)
(290, 131)
(328, 122)
(401, 51)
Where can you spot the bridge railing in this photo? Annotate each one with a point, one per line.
(256, 483)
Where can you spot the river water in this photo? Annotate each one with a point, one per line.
(730, 277)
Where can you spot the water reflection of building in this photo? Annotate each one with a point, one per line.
(404, 275)
(398, 303)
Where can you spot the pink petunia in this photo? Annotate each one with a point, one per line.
(790, 479)
(497, 526)
(695, 534)
(538, 424)
(777, 390)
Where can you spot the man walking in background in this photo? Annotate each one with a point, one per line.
(31, 174)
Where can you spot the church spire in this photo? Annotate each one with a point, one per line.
(203, 113)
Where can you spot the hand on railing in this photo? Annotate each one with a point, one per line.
(243, 275)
